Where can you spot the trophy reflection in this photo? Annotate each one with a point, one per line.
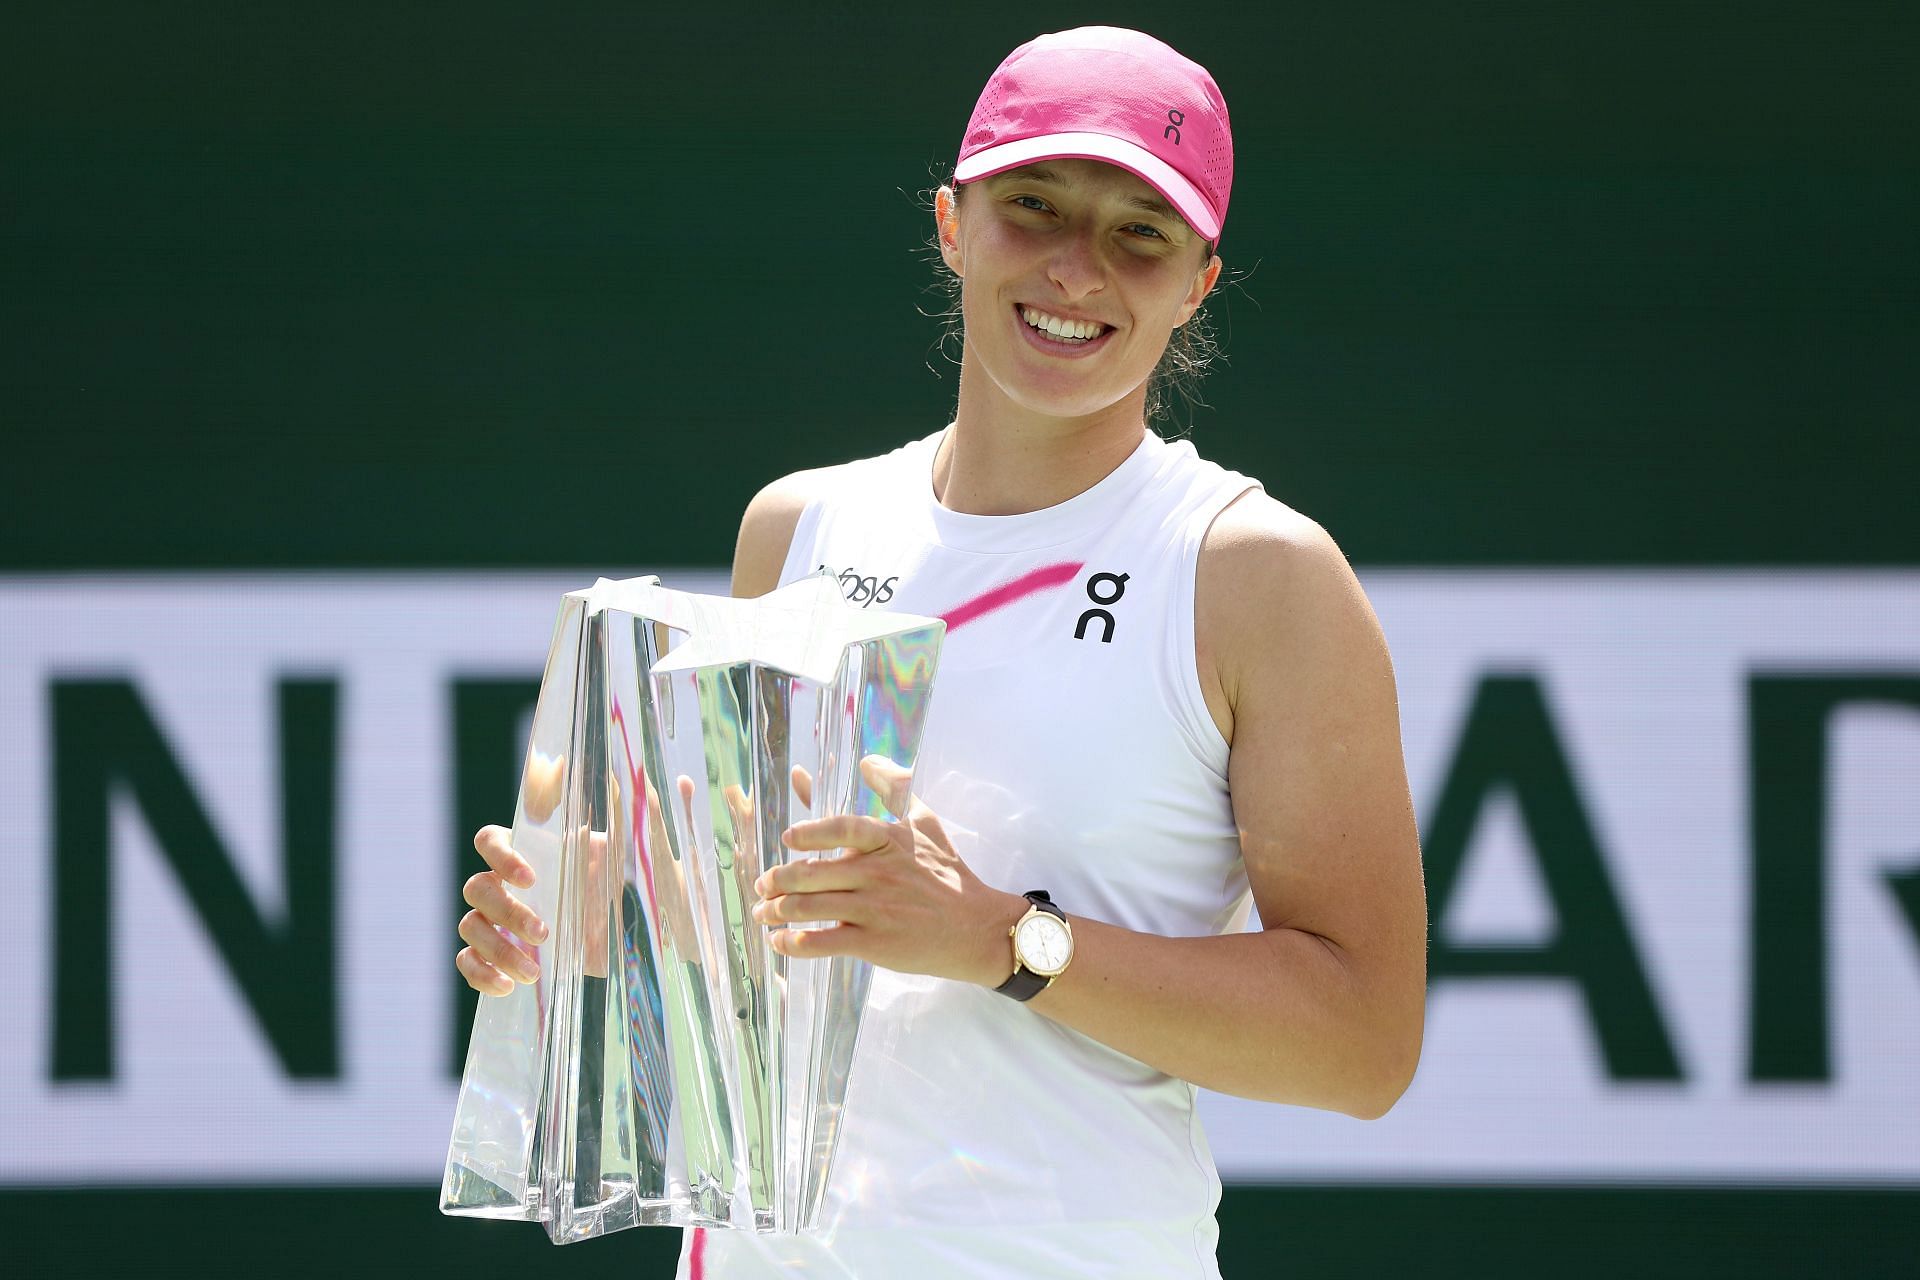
(668, 1067)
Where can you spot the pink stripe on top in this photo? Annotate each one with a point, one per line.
(1041, 579)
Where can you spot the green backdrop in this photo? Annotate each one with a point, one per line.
(1555, 283)
(487, 285)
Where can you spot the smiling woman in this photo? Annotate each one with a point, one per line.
(1163, 701)
(1047, 192)
(1075, 257)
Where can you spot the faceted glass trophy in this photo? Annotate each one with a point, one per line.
(668, 1067)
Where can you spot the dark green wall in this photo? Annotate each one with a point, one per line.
(489, 284)
(1313, 1234)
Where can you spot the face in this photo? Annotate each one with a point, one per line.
(1074, 274)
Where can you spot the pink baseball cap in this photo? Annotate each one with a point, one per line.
(1107, 93)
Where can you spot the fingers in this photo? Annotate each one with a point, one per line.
(495, 845)
(843, 831)
(814, 875)
(740, 810)
(791, 908)
(491, 961)
(892, 783)
(496, 948)
(683, 787)
(486, 894)
(541, 790)
(807, 944)
(803, 786)
(480, 975)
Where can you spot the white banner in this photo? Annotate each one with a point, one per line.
(1672, 822)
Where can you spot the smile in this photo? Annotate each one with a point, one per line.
(1062, 330)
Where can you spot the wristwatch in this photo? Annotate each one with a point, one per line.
(1042, 948)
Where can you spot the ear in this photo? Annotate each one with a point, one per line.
(1203, 282)
(946, 223)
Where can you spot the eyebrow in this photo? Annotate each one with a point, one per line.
(1041, 173)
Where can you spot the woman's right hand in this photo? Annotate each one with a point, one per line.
(495, 957)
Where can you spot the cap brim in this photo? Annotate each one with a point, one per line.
(1135, 159)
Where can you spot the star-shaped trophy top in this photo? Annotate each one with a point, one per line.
(803, 628)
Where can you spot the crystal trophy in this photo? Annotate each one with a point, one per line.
(668, 1067)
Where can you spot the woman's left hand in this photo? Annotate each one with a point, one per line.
(899, 896)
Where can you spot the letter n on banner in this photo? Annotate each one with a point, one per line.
(105, 739)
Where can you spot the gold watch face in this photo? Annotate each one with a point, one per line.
(1043, 943)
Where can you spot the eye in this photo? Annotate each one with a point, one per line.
(1032, 202)
(1144, 229)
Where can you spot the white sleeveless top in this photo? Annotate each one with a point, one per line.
(1067, 748)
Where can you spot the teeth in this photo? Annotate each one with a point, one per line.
(1053, 326)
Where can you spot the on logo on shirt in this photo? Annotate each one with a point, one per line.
(1102, 588)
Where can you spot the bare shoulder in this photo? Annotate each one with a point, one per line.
(766, 528)
(1276, 602)
(1259, 553)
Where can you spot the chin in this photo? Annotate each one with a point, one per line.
(1065, 401)
(1084, 405)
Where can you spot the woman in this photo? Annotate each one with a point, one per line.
(1162, 697)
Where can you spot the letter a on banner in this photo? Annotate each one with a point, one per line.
(1509, 742)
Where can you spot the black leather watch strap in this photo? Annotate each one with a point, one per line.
(1025, 984)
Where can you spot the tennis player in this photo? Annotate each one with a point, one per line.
(1163, 699)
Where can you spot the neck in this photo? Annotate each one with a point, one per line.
(1004, 460)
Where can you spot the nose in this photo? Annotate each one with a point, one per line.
(1077, 266)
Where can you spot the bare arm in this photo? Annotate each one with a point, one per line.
(1324, 1006)
(1321, 1008)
